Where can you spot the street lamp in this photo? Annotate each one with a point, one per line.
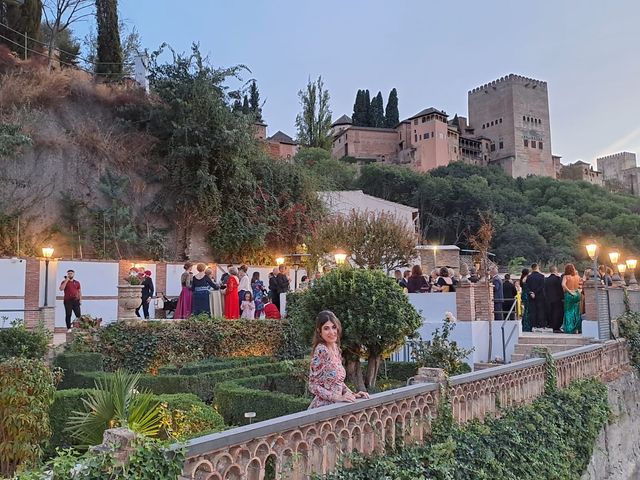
(279, 261)
(631, 265)
(340, 257)
(47, 253)
(622, 267)
(614, 256)
(592, 251)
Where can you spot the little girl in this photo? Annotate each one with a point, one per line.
(248, 307)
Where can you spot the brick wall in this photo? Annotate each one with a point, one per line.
(449, 258)
(32, 292)
(483, 299)
(465, 302)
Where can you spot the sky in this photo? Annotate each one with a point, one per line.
(431, 52)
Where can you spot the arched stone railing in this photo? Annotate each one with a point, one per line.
(294, 446)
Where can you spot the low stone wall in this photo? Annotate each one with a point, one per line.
(308, 442)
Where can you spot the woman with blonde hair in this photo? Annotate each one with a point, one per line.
(200, 285)
(326, 375)
(231, 298)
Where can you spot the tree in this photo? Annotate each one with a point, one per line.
(61, 14)
(360, 109)
(314, 122)
(21, 20)
(392, 115)
(375, 313)
(246, 108)
(131, 47)
(328, 173)
(366, 102)
(66, 44)
(373, 240)
(377, 111)
(109, 51)
(254, 101)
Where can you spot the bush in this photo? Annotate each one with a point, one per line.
(26, 391)
(551, 438)
(186, 416)
(72, 363)
(375, 313)
(17, 341)
(629, 324)
(64, 402)
(213, 364)
(147, 346)
(235, 397)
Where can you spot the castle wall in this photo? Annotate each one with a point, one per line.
(363, 142)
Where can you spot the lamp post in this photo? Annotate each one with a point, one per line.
(614, 256)
(592, 251)
(631, 265)
(435, 261)
(279, 260)
(47, 253)
(622, 267)
(340, 257)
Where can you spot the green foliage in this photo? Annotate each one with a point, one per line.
(17, 341)
(71, 363)
(314, 122)
(109, 49)
(330, 174)
(377, 111)
(254, 101)
(392, 115)
(551, 438)
(441, 352)
(149, 460)
(538, 218)
(64, 402)
(375, 313)
(22, 17)
(26, 391)
(115, 402)
(11, 139)
(629, 324)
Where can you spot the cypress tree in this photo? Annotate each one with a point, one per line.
(109, 52)
(367, 118)
(392, 115)
(359, 112)
(246, 109)
(23, 18)
(377, 111)
(254, 101)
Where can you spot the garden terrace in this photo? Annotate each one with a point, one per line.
(313, 441)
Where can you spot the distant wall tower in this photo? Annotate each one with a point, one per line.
(513, 112)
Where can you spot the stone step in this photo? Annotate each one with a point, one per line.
(553, 339)
(553, 348)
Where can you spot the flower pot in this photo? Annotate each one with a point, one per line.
(129, 298)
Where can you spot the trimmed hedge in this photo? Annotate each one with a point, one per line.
(235, 397)
(73, 363)
(147, 346)
(213, 364)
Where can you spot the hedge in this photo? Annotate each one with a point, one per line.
(18, 341)
(148, 346)
(212, 364)
(236, 397)
(552, 438)
(73, 363)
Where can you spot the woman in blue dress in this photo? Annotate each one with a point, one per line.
(200, 285)
(257, 287)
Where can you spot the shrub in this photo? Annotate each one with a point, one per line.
(147, 346)
(17, 341)
(64, 402)
(26, 391)
(441, 352)
(629, 324)
(375, 313)
(213, 364)
(551, 438)
(186, 416)
(72, 363)
(235, 397)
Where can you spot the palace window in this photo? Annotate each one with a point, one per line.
(424, 119)
(533, 144)
(540, 145)
(415, 122)
(526, 142)
(493, 147)
(501, 145)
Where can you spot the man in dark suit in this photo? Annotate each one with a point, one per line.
(509, 293)
(554, 297)
(535, 283)
(147, 294)
(498, 299)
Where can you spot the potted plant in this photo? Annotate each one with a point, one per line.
(130, 295)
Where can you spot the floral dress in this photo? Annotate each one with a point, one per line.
(326, 377)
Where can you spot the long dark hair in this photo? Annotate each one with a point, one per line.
(523, 275)
(322, 318)
(255, 277)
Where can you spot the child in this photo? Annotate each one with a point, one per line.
(247, 306)
(271, 312)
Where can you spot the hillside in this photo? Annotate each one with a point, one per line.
(105, 171)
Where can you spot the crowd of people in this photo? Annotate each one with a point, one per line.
(443, 279)
(236, 295)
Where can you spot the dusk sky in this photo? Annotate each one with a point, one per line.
(432, 52)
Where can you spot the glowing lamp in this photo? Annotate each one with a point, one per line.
(614, 256)
(47, 252)
(279, 261)
(340, 257)
(622, 268)
(592, 248)
(632, 263)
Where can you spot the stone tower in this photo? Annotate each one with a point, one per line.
(513, 112)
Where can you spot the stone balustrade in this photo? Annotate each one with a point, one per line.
(294, 446)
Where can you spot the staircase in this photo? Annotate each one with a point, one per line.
(554, 342)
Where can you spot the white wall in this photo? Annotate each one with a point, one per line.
(96, 278)
(12, 274)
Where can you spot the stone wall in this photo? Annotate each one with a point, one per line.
(313, 441)
(616, 455)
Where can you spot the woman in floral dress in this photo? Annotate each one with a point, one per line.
(257, 287)
(326, 375)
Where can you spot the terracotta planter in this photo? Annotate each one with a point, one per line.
(129, 298)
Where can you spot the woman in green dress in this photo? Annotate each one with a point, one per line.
(524, 295)
(571, 286)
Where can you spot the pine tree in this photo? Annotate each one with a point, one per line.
(254, 101)
(377, 111)
(392, 115)
(368, 120)
(109, 52)
(246, 109)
